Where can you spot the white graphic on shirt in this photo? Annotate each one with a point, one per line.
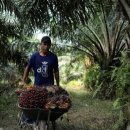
(43, 69)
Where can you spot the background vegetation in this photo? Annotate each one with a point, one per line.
(92, 41)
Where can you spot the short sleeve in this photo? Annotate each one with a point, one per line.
(31, 62)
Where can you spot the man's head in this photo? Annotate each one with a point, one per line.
(45, 44)
(46, 39)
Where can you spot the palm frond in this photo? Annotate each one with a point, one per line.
(104, 40)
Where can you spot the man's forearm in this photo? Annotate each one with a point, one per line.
(57, 78)
(25, 75)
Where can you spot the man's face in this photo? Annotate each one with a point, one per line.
(45, 47)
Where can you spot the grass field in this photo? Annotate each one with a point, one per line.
(86, 113)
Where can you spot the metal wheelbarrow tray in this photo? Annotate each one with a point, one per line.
(43, 114)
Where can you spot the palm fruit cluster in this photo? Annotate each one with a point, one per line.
(49, 97)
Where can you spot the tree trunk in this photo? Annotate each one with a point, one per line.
(126, 7)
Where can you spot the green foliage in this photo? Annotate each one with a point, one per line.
(105, 87)
(99, 81)
(4, 101)
(8, 74)
(121, 123)
(91, 77)
(71, 68)
(57, 18)
(6, 98)
(121, 75)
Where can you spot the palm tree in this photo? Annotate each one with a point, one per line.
(103, 39)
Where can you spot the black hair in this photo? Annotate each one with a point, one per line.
(46, 39)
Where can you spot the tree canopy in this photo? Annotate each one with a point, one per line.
(21, 18)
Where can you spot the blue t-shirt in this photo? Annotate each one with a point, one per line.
(44, 68)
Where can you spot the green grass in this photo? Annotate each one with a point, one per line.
(88, 113)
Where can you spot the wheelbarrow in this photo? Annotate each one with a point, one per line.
(41, 115)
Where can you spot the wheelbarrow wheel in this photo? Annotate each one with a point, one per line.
(47, 126)
(42, 125)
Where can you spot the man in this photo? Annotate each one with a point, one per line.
(44, 64)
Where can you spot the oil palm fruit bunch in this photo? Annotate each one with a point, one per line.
(45, 97)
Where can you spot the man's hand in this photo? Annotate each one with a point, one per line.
(22, 83)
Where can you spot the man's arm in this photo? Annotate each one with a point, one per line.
(25, 75)
(56, 74)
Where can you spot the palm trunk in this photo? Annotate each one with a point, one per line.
(126, 7)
